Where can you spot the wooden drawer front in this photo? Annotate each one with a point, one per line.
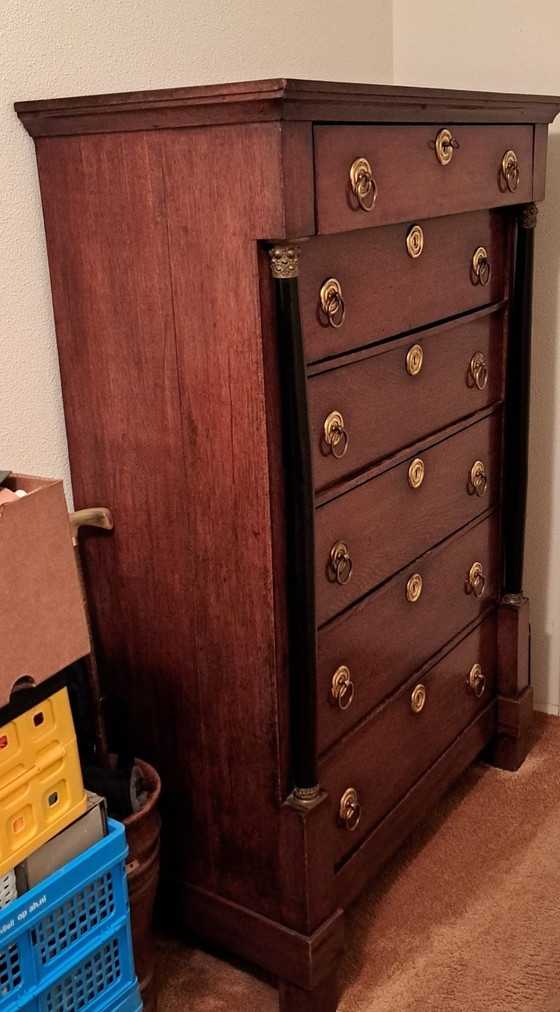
(382, 640)
(386, 292)
(381, 760)
(366, 410)
(385, 523)
(409, 178)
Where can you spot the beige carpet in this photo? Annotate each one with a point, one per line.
(465, 917)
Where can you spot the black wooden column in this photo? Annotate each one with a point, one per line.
(300, 515)
(517, 412)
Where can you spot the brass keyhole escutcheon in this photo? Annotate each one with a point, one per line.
(349, 811)
(481, 267)
(332, 302)
(479, 370)
(509, 171)
(478, 479)
(363, 184)
(340, 563)
(445, 145)
(414, 241)
(414, 587)
(335, 435)
(342, 688)
(476, 682)
(414, 360)
(416, 473)
(476, 580)
(418, 698)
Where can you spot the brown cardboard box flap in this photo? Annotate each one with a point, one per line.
(42, 620)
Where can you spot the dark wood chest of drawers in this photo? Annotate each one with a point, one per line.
(294, 324)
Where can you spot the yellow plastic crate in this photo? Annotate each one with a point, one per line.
(41, 787)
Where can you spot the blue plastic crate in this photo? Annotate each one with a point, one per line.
(65, 945)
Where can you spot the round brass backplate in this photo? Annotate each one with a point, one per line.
(414, 588)
(444, 146)
(418, 698)
(414, 360)
(416, 473)
(414, 241)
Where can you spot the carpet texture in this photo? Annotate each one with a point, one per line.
(464, 918)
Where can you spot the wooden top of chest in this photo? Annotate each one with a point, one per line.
(278, 99)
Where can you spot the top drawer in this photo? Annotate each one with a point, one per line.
(407, 179)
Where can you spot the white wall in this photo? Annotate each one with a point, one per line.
(501, 46)
(53, 48)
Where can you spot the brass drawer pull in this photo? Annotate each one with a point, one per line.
(476, 580)
(342, 688)
(414, 587)
(416, 473)
(332, 303)
(335, 435)
(476, 682)
(481, 267)
(445, 145)
(349, 811)
(418, 698)
(363, 184)
(414, 360)
(340, 563)
(478, 479)
(414, 241)
(479, 370)
(509, 171)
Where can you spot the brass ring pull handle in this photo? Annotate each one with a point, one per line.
(414, 360)
(349, 811)
(335, 435)
(481, 267)
(478, 479)
(342, 688)
(445, 145)
(332, 303)
(416, 473)
(363, 184)
(340, 563)
(509, 171)
(478, 370)
(414, 587)
(418, 698)
(476, 682)
(476, 580)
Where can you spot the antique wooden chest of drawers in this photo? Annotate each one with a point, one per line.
(294, 323)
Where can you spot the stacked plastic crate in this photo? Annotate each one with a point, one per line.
(65, 941)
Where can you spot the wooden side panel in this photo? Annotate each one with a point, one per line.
(223, 190)
(152, 244)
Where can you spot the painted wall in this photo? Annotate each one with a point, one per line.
(503, 47)
(51, 48)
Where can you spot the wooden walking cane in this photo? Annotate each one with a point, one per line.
(97, 516)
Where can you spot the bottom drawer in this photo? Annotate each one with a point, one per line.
(367, 773)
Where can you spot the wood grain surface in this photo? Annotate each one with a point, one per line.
(385, 637)
(385, 408)
(386, 292)
(410, 180)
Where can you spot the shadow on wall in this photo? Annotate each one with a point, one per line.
(542, 553)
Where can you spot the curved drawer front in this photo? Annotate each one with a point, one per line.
(383, 291)
(385, 757)
(365, 536)
(437, 378)
(400, 173)
(366, 653)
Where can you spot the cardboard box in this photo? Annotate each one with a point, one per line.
(42, 620)
(89, 829)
